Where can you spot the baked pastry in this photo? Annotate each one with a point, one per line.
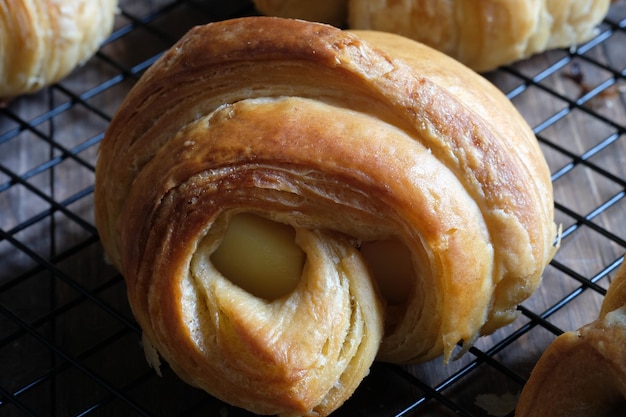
(419, 200)
(616, 294)
(333, 12)
(583, 372)
(482, 34)
(41, 41)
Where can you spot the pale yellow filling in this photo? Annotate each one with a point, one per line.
(260, 256)
(390, 263)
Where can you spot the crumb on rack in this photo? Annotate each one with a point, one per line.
(497, 405)
(604, 97)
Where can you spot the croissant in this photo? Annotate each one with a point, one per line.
(42, 41)
(289, 202)
(583, 373)
(483, 34)
(333, 12)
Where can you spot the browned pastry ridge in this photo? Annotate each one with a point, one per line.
(583, 372)
(42, 41)
(377, 153)
(483, 34)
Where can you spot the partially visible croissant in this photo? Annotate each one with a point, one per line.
(583, 372)
(482, 34)
(333, 12)
(288, 201)
(41, 41)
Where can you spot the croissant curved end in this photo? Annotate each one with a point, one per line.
(358, 150)
(583, 372)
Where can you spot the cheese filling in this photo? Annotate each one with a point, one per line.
(260, 256)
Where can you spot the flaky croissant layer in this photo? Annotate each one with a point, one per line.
(365, 148)
(42, 41)
(583, 372)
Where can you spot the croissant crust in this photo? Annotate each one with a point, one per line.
(347, 138)
(42, 41)
(583, 372)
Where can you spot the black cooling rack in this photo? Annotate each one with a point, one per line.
(69, 345)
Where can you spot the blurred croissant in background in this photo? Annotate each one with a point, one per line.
(482, 34)
(42, 41)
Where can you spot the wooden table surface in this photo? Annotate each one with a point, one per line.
(68, 342)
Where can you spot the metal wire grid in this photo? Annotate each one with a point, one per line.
(69, 345)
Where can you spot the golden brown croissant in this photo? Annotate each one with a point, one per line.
(583, 373)
(41, 41)
(483, 34)
(288, 201)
